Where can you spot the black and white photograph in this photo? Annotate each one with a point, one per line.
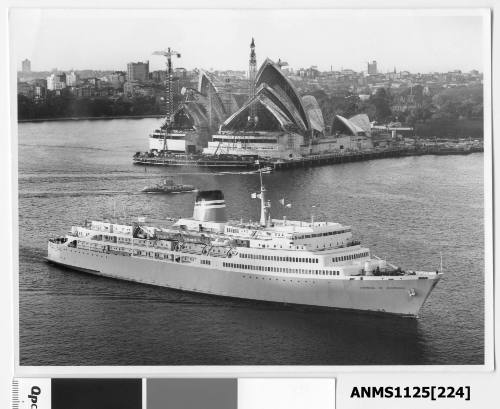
(272, 187)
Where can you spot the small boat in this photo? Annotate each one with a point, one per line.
(168, 186)
(266, 169)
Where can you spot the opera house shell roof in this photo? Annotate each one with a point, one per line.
(279, 107)
(194, 111)
(356, 125)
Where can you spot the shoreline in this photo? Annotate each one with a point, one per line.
(89, 118)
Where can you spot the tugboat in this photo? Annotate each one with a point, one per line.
(168, 186)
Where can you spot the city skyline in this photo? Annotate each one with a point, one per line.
(415, 42)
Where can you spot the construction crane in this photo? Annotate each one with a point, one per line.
(170, 98)
(252, 72)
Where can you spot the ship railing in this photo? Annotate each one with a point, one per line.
(224, 255)
(427, 273)
(191, 251)
(58, 240)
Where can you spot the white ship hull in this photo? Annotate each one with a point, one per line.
(395, 295)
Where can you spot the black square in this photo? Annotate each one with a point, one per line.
(96, 393)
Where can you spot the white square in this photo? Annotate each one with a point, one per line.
(286, 393)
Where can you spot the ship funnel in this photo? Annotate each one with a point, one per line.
(210, 207)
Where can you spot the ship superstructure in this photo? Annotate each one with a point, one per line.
(313, 263)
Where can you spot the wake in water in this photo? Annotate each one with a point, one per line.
(118, 175)
(79, 193)
(68, 147)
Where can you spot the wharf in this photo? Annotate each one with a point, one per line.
(249, 162)
(201, 161)
(335, 158)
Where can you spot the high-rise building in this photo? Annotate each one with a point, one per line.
(26, 65)
(372, 68)
(138, 71)
(56, 82)
(117, 79)
(72, 79)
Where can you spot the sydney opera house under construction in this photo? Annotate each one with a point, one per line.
(273, 122)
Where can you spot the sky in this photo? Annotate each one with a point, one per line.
(219, 39)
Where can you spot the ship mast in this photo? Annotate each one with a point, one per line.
(265, 205)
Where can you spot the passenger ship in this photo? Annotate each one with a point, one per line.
(312, 263)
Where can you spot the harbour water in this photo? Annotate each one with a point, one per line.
(407, 210)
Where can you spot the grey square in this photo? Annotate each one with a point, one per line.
(192, 393)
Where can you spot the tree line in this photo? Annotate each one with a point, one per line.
(448, 112)
(63, 106)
